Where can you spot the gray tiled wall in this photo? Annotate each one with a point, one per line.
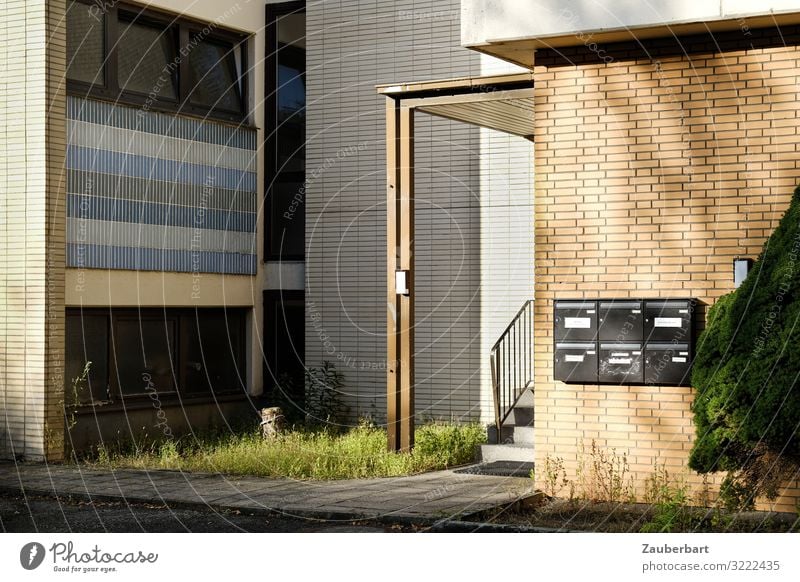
(474, 214)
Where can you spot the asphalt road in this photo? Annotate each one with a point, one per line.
(50, 515)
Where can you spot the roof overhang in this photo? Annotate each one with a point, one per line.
(500, 102)
(521, 51)
(514, 30)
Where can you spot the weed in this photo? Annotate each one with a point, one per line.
(671, 513)
(555, 476)
(319, 453)
(323, 397)
(609, 476)
(658, 486)
(79, 385)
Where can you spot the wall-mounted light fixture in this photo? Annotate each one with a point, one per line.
(401, 282)
(740, 269)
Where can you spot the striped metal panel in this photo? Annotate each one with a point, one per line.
(104, 137)
(128, 234)
(120, 187)
(128, 211)
(145, 259)
(152, 191)
(125, 164)
(136, 119)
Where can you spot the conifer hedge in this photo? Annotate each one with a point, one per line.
(746, 372)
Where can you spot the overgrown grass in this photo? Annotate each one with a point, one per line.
(301, 454)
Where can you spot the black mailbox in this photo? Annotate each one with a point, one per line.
(620, 321)
(575, 362)
(620, 363)
(575, 321)
(667, 363)
(668, 320)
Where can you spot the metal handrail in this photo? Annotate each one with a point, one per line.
(511, 360)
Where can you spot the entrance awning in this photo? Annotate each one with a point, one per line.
(503, 103)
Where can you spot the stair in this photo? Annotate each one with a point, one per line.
(517, 441)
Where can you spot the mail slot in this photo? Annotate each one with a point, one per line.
(668, 320)
(575, 362)
(620, 363)
(619, 321)
(667, 363)
(575, 321)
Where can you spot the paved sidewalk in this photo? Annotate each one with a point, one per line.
(434, 496)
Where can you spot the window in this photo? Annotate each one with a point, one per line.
(169, 352)
(144, 350)
(216, 344)
(213, 78)
(157, 62)
(284, 349)
(85, 45)
(144, 54)
(285, 102)
(87, 342)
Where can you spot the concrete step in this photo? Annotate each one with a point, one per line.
(526, 399)
(511, 452)
(520, 416)
(511, 434)
(523, 435)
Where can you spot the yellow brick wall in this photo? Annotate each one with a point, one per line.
(653, 171)
(32, 225)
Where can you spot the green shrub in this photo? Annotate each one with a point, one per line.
(746, 368)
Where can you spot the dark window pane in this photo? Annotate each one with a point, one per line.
(285, 329)
(85, 33)
(287, 227)
(213, 81)
(144, 350)
(86, 341)
(145, 59)
(215, 361)
(291, 119)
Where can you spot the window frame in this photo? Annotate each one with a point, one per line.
(147, 21)
(183, 29)
(272, 173)
(143, 315)
(183, 319)
(230, 56)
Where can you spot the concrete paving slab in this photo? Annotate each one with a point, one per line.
(429, 496)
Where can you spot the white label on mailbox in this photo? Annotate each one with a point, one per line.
(590, 311)
(683, 311)
(590, 352)
(577, 322)
(619, 354)
(636, 310)
(668, 322)
(637, 353)
(679, 360)
(573, 358)
(684, 353)
(619, 360)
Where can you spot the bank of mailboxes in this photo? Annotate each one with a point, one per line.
(631, 341)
